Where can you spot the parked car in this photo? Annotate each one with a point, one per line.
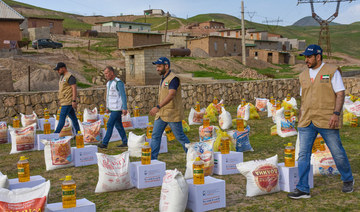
(46, 43)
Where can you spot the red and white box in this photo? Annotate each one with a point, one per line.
(207, 196)
(114, 137)
(82, 205)
(85, 156)
(289, 177)
(146, 176)
(39, 137)
(225, 164)
(34, 181)
(163, 144)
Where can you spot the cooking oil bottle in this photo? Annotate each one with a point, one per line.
(354, 121)
(23, 168)
(58, 113)
(101, 109)
(79, 116)
(288, 97)
(278, 105)
(146, 154)
(79, 140)
(287, 114)
(68, 192)
(136, 111)
(289, 155)
(149, 130)
(46, 114)
(16, 122)
(197, 107)
(225, 145)
(206, 122)
(169, 134)
(240, 124)
(272, 100)
(106, 119)
(47, 127)
(243, 102)
(215, 100)
(198, 171)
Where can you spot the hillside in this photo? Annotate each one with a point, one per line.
(310, 21)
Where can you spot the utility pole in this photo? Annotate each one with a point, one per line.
(243, 52)
(166, 27)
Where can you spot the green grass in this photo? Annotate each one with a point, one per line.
(159, 23)
(284, 72)
(184, 58)
(326, 194)
(83, 85)
(217, 75)
(350, 68)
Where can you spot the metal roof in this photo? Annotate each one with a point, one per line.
(6, 12)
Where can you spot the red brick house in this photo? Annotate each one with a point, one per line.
(55, 24)
(9, 26)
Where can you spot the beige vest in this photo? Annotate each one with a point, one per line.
(65, 91)
(174, 110)
(317, 98)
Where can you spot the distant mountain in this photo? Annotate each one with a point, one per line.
(309, 21)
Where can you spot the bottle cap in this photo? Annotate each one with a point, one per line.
(197, 102)
(46, 120)
(197, 159)
(205, 116)
(23, 158)
(215, 97)
(146, 143)
(150, 123)
(289, 144)
(45, 109)
(79, 132)
(67, 178)
(16, 117)
(136, 107)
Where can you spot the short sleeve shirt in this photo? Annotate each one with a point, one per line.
(174, 84)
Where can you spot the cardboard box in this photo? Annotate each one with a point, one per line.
(163, 144)
(289, 177)
(226, 163)
(85, 156)
(208, 196)
(34, 181)
(114, 137)
(146, 176)
(140, 122)
(82, 205)
(39, 137)
(42, 121)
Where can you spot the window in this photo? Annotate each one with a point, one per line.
(215, 46)
(132, 65)
(51, 25)
(130, 27)
(256, 54)
(228, 33)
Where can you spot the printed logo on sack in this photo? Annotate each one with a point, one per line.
(266, 177)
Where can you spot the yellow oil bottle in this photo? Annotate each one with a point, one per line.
(47, 127)
(278, 105)
(16, 122)
(68, 192)
(198, 171)
(102, 109)
(215, 100)
(146, 154)
(288, 97)
(79, 140)
(46, 113)
(79, 116)
(225, 145)
(149, 130)
(243, 102)
(197, 107)
(23, 168)
(287, 114)
(206, 121)
(169, 134)
(136, 111)
(354, 121)
(106, 119)
(272, 101)
(58, 113)
(289, 155)
(240, 124)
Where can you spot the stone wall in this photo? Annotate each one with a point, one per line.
(145, 97)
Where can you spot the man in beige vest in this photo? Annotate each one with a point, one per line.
(169, 109)
(322, 97)
(67, 97)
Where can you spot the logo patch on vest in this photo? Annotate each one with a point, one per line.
(166, 84)
(324, 78)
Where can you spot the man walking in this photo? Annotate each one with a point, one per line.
(169, 109)
(116, 104)
(322, 97)
(67, 97)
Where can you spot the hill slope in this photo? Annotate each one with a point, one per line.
(310, 21)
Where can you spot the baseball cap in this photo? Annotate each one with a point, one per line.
(162, 60)
(312, 49)
(59, 65)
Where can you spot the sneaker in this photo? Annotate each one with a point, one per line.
(102, 146)
(348, 187)
(122, 145)
(297, 194)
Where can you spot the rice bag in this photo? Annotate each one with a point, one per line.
(23, 139)
(225, 121)
(241, 139)
(196, 118)
(261, 104)
(207, 133)
(27, 120)
(90, 115)
(3, 133)
(91, 132)
(58, 153)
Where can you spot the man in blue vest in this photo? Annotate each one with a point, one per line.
(116, 105)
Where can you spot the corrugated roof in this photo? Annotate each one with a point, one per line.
(6, 12)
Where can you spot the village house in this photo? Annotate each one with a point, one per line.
(272, 56)
(10, 32)
(55, 24)
(134, 39)
(115, 26)
(154, 12)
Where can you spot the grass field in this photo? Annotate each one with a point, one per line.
(326, 195)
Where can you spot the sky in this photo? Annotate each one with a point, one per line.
(281, 12)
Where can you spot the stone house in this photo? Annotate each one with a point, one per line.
(177, 39)
(154, 12)
(138, 63)
(9, 26)
(114, 26)
(55, 24)
(215, 46)
(272, 56)
(133, 39)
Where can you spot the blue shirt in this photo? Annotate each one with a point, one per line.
(174, 83)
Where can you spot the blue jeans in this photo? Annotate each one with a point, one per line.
(115, 119)
(159, 127)
(67, 110)
(332, 140)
